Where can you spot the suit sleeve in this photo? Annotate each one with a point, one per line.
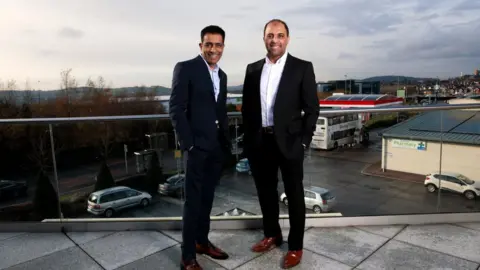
(179, 100)
(310, 104)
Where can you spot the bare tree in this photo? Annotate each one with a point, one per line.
(41, 153)
(27, 94)
(68, 85)
(9, 89)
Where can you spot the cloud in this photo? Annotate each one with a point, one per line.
(68, 32)
(132, 43)
(344, 55)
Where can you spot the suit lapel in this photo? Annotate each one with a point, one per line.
(205, 72)
(283, 84)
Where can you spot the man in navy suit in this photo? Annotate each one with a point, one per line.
(199, 116)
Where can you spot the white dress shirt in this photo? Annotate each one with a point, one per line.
(270, 79)
(215, 78)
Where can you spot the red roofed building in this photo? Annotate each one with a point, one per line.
(360, 101)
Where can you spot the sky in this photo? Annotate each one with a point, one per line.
(132, 43)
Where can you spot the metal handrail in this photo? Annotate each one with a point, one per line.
(59, 120)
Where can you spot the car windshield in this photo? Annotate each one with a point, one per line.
(174, 179)
(465, 179)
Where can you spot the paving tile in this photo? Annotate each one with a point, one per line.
(347, 244)
(167, 259)
(29, 246)
(397, 255)
(237, 244)
(174, 234)
(473, 226)
(387, 231)
(286, 231)
(4, 236)
(310, 260)
(85, 237)
(449, 239)
(125, 247)
(71, 258)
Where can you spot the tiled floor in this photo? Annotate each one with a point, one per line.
(445, 246)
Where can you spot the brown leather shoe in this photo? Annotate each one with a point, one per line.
(190, 265)
(212, 251)
(292, 258)
(267, 243)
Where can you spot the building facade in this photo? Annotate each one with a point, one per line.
(421, 143)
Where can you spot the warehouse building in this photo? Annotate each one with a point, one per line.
(413, 146)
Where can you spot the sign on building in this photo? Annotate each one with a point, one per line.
(409, 144)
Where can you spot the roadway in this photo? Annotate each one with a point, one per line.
(357, 195)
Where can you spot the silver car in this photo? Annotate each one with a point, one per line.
(108, 201)
(318, 199)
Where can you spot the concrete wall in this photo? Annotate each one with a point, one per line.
(462, 159)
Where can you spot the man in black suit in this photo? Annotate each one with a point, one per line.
(275, 92)
(199, 117)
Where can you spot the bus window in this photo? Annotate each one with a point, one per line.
(330, 121)
(349, 117)
(342, 119)
(335, 120)
(355, 117)
(321, 122)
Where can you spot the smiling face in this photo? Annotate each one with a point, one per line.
(212, 48)
(276, 40)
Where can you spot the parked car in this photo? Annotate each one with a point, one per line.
(12, 189)
(111, 200)
(243, 166)
(454, 182)
(318, 199)
(173, 186)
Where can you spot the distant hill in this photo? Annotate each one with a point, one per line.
(392, 79)
(19, 95)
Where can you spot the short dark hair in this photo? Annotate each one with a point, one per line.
(278, 21)
(212, 29)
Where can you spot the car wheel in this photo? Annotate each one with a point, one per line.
(469, 195)
(285, 201)
(317, 209)
(109, 213)
(145, 202)
(431, 188)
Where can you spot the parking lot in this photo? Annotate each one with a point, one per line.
(338, 171)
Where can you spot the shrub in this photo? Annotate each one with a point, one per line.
(45, 201)
(104, 179)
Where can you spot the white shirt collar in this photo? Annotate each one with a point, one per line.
(216, 68)
(280, 61)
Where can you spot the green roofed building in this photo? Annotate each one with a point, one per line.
(413, 146)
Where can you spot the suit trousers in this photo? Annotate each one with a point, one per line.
(264, 165)
(203, 172)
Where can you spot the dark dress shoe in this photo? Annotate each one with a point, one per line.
(190, 265)
(212, 251)
(292, 259)
(267, 243)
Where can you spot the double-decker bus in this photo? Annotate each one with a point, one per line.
(334, 131)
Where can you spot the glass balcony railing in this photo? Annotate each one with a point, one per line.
(362, 162)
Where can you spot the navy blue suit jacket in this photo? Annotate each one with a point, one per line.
(193, 109)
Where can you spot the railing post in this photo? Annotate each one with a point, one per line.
(55, 174)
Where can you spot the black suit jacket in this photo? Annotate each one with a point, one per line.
(193, 109)
(297, 92)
